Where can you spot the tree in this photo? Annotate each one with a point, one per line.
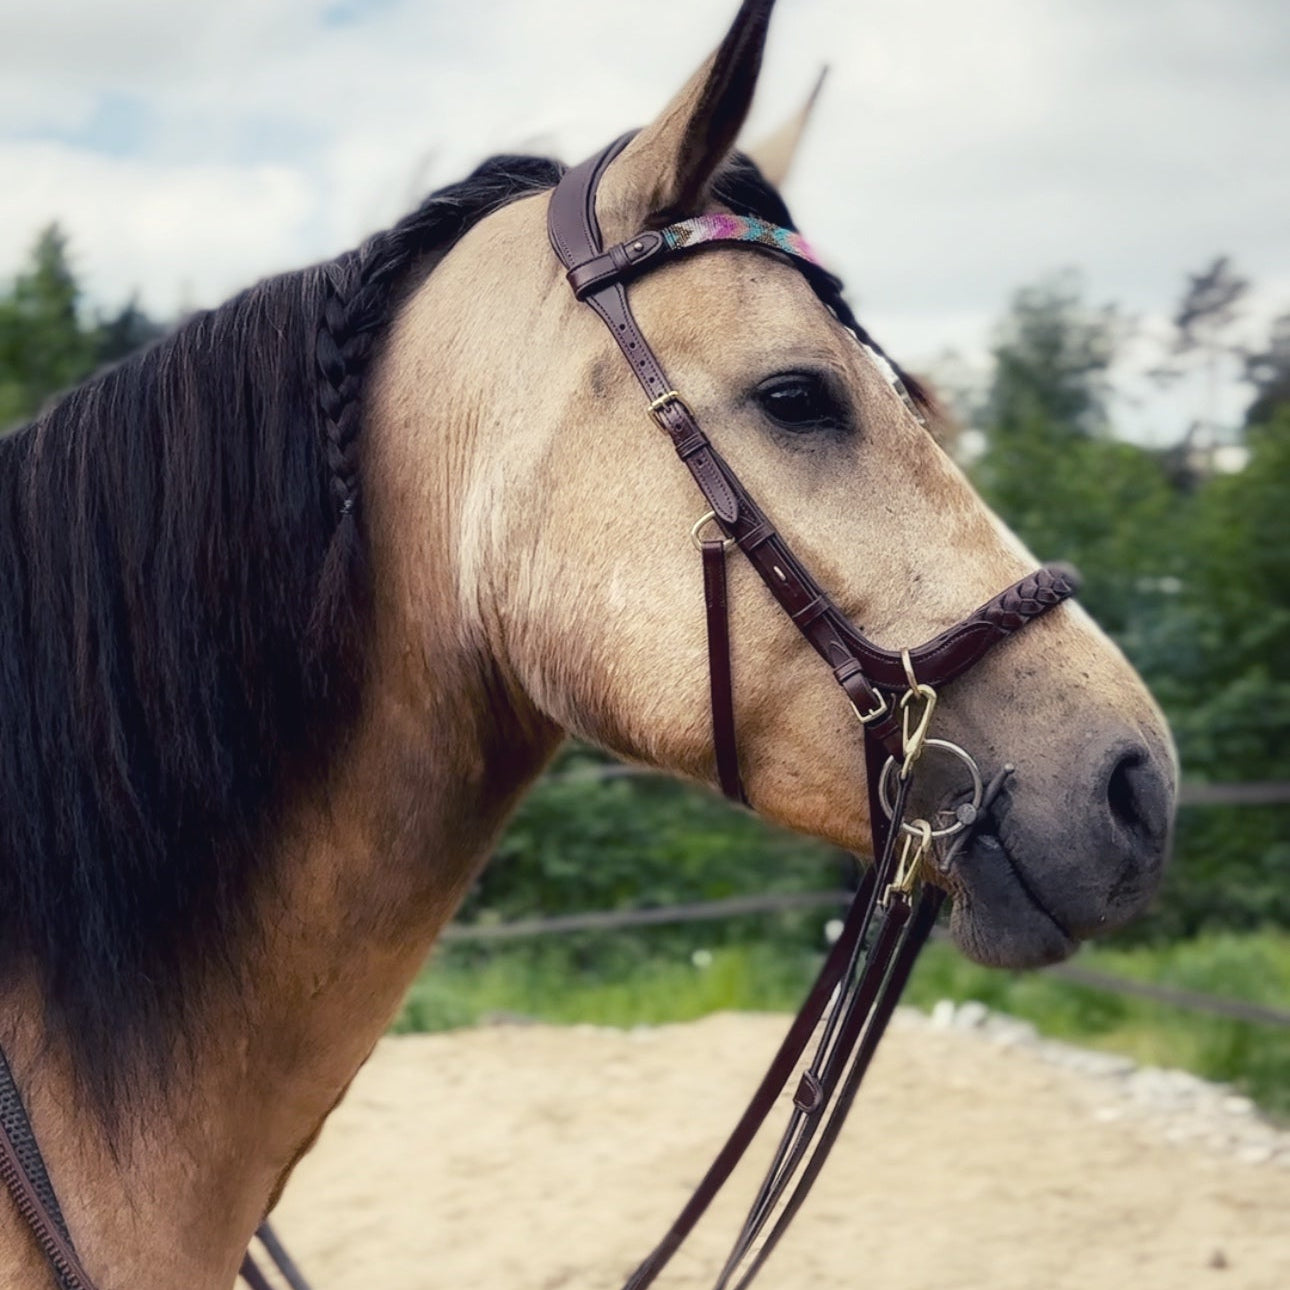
(45, 344)
(1052, 358)
(1202, 347)
(42, 345)
(1051, 466)
(1268, 371)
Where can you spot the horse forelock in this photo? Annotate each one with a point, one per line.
(182, 618)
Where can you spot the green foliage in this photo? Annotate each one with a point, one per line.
(616, 981)
(1188, 569)
(581, 841)
(576, 980)
(45, 344)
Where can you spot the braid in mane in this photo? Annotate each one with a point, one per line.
(184, 600)
(359, 299)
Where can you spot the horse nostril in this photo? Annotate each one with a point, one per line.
(1138, 797)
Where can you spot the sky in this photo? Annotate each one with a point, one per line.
(959, 152)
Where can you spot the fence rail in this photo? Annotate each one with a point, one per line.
(791, 902)
(1191, 792)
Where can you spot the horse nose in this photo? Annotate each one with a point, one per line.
(1138, 790)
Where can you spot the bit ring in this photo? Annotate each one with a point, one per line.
(944, 745)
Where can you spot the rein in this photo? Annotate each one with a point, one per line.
(893, 695)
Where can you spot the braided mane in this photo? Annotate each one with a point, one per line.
(183, 599)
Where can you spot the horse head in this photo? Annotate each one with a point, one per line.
(578, 582)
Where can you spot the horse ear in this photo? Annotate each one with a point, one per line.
(774, 155)
(664, 171)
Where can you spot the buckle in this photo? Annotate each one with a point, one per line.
(867, 718)
(663, 401)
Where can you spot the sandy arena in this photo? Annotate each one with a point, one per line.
(544, 1158)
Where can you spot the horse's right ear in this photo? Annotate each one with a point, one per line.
(664, 172)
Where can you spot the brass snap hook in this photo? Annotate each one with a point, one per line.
(913, 733)
(917, 843)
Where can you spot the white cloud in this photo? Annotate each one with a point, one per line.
(960, 150)
(187, 235)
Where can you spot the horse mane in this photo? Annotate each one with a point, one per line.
(183, 610)
(183, 602)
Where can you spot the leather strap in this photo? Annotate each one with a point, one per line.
(903, 957)
(840, 958)
(868, 673)
(250, 1273)
(25, 1176)
(23, 1171)
(720, 681)
(277, 1252)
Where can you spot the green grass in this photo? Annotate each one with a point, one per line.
(1252, 966)
(549, 987)
(643, 981)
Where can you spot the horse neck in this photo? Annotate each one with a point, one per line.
(367, 868)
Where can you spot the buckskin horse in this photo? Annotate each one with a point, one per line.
(298, 602)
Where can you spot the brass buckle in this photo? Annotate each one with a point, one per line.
(663, 400)
(867, 718)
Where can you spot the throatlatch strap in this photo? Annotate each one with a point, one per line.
(720, 681)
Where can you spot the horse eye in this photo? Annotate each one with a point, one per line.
(800, 401)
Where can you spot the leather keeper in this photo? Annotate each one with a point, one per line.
(615, 264)
(810, 1094)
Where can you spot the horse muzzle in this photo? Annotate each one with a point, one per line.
(1049, 862)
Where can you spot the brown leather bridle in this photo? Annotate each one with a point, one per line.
(893, 694)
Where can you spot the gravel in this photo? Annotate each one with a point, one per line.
(1179, 1107)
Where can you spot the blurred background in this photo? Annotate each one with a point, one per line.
(1071, 217)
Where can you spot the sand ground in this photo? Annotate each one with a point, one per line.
(544, 1158)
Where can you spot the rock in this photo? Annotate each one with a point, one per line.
(501, 1017)
(1255, 1154)
(1107, 1065)
(971, 1015)
(1008, 1032)
(1238, 1106)
(942, 1017)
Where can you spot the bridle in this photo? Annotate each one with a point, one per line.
(893, 695)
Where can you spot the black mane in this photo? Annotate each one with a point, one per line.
(181, 619)
(182, 616)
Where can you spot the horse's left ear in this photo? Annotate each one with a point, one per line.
(664, 172)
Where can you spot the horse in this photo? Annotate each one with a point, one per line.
(300, 601)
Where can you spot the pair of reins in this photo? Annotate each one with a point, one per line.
(893, 695)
